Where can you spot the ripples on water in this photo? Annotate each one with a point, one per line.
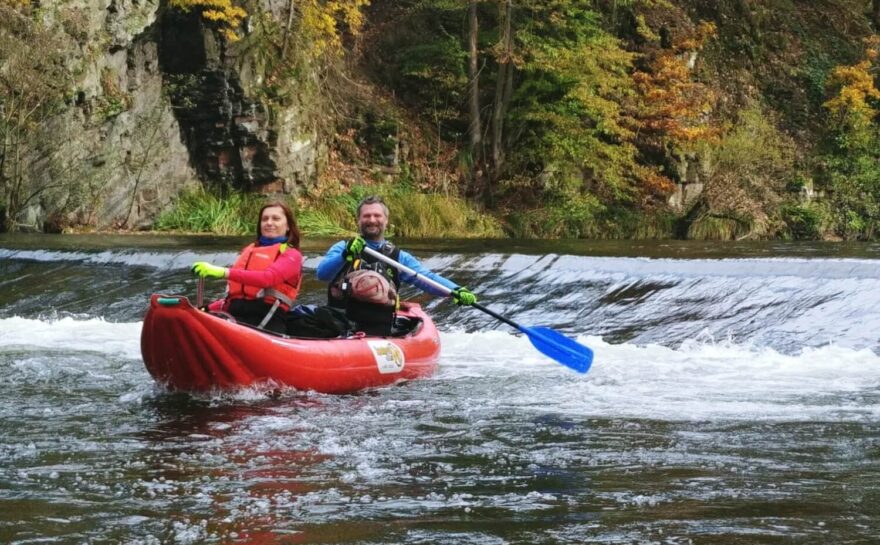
(732, 401)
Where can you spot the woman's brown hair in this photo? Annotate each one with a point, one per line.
(292, 227)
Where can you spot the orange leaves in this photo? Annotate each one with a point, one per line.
(705, 31)
(669, 104)
(654, 183)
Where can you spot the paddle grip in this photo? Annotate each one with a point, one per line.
(200, 292)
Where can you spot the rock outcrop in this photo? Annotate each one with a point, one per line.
(157, 105)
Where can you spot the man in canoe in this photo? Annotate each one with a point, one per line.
(365, 287)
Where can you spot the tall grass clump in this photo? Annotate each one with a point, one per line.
(201, 211)
(710, 227)
(412, 214)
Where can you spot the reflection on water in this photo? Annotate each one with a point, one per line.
(733, 401)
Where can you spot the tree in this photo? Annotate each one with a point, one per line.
(475, 128)
(504, 57)
(669, 109)
(548, 99)
(567, 100)
(851, 166)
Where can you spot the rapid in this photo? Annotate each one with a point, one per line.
(733, 400)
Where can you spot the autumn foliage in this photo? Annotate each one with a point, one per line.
(325, 20)
(855, 96)
(670, 105)
(223, 12)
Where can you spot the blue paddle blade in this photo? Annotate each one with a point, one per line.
(559, 347)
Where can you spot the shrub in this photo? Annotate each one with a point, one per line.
(803, 221)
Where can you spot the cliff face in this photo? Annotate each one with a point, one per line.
(159, 105)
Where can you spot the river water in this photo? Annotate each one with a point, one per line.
(733, 400)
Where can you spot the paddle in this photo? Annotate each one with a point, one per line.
(551, 343)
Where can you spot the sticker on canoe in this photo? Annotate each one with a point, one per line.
(389, 357)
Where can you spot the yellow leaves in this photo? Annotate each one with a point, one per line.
(645, 31)
(321, 21)
(854, 104)
(228, 15)
(16, 4)
(705, 30)
(856, 88)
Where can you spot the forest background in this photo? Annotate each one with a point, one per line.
(543, 118)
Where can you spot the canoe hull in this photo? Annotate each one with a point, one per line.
(191, 350)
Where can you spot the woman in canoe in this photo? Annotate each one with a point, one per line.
(263, 283)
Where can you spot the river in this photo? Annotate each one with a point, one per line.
(733, 400)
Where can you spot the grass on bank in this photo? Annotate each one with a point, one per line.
(413, 214)
(432, 215)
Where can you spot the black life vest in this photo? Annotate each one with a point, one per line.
(371, 318)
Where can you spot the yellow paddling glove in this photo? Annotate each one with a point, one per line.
(206, 270)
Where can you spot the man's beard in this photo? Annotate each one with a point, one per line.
(372, 231)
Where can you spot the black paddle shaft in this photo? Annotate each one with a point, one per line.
(497, 316)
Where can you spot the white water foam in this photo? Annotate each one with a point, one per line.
(700, 380)
(90, 335)
(163, 260)
(157, 260)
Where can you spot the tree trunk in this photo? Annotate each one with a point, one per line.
(476, 127)
(287, 29)
(503, 86)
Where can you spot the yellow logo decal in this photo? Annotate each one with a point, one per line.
(389, 357)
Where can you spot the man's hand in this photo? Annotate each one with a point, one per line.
(463, 296)
(354, 248)
(206, 270)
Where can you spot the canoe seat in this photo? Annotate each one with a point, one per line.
(405, 325)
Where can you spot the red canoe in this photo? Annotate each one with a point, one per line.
(191, 350)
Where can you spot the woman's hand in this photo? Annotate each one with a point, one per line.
(206, 270)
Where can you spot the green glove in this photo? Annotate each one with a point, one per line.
(354, 248)
(463, 296)
(206, 270)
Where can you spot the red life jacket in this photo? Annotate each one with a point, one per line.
(260, 258)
